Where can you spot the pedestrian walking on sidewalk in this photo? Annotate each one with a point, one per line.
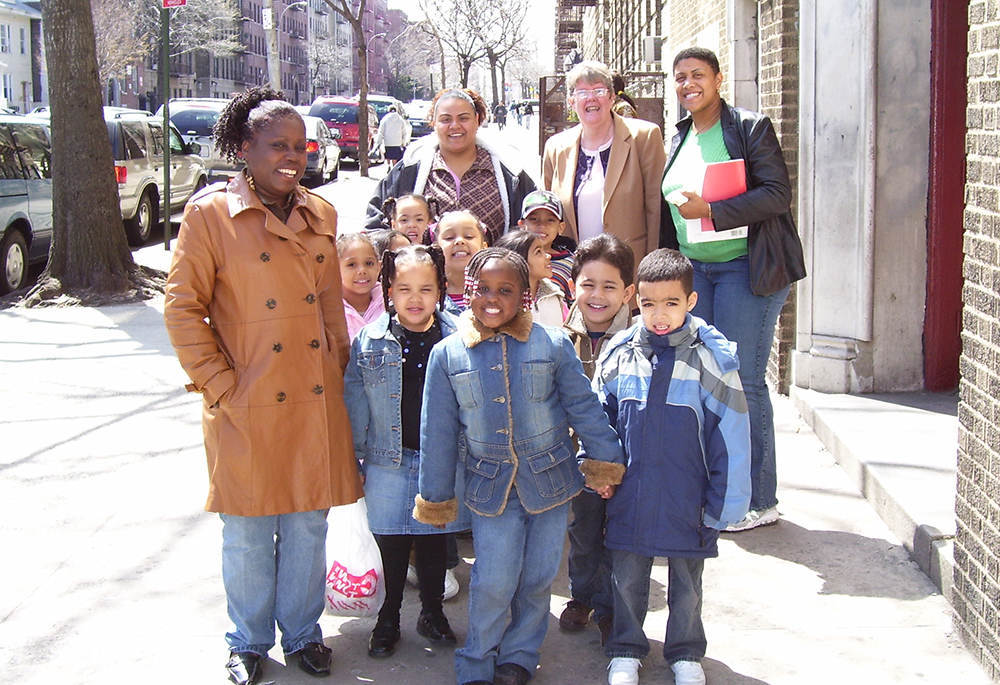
(255, 313)
(742, 278)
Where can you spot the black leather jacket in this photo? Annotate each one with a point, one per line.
(774, 248)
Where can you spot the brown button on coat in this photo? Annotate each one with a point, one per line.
(277, 434)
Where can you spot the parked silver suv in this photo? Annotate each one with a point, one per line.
(195, 118)
(137, 142)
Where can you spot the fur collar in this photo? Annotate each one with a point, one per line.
(473, 332)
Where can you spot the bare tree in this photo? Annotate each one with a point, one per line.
(327, 61)
(456, 24)
(409, 57)
(353, 14)
(121, 38)
(210, 25)
(89, 262)
(503, 35)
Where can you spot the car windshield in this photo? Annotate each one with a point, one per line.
(381, 108)
(198, 122)
(337, 113)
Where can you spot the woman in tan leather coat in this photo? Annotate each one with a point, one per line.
(254, 311)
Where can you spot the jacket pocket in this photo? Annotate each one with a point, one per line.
(373, 368)
(537, 380)
(468, 389)
(553, 471)
(480, 480)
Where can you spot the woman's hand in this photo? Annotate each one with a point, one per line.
(694, 208)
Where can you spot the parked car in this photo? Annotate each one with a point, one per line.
(419, 112)
(195, 118)
(323, 162)
(382, 103)
(25, 198)
(342, 114)
(137, 142)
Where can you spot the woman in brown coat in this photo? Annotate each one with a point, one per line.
(254, 311)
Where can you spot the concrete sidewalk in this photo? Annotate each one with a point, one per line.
(112, 569)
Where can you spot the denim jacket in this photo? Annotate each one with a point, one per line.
(514, 393)
(373, 386)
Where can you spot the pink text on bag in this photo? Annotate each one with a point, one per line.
(348, 585)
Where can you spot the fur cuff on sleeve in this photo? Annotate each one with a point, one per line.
(598, 474)
(435, 513)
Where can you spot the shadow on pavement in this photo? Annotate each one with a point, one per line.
(844, 561)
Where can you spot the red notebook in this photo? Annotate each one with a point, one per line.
(723, 180)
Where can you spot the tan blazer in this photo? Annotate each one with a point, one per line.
(255, 312)
(631, 184)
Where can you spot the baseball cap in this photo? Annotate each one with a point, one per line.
(541, 199)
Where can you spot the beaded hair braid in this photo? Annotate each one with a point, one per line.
(512, 259)
(416, 254)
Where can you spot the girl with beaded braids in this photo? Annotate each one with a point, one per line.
(384, 386)
(461, 166)
(254, 310)
(513, 390)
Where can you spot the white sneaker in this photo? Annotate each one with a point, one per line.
(450, 585)
(754, 519)
(688, 673)
(623, 670)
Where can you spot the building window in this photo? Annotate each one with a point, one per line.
(23, 42)
(4, 38)
(8, 87)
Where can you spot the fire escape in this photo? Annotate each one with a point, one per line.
(569, 32)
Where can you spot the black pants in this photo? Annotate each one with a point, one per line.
(430, 565)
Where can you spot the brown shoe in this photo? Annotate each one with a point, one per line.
(604, 625)
(575, 616)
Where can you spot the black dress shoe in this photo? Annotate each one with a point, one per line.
(511, 674)
(244, 667)
(383, 641)
(436, 629)
(314, 659)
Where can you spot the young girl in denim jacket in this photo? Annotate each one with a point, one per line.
(384, 385)
(513, 389)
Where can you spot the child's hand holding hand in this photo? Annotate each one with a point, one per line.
(607, 492)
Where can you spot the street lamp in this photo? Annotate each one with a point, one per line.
(271, 30)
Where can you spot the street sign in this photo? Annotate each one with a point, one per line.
(167, 4)
(267, 18)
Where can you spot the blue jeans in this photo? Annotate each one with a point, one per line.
(726, 301)
(589, 559)
(685, 638)
(517, 557)
(274, 570)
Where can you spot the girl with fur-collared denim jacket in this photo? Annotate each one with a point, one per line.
(514, 393)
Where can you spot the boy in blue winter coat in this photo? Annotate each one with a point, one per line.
(671, 389)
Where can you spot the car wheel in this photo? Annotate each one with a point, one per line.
(14, 254)
(138, 228)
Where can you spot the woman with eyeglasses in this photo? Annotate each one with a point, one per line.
(607, 170)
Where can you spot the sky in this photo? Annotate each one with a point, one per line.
(543, 31)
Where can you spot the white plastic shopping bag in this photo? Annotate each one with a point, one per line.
(355, 585)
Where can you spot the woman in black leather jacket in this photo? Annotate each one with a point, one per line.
(750, 253)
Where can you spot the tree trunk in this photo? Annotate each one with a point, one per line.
(363, 122)
(466, 65)
(493, 59)
(89, 260)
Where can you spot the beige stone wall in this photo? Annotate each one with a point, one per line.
(977, 546)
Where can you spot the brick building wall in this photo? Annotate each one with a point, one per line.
(977, 545)
(778, 26)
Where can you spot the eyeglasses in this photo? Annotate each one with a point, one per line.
(594, 93)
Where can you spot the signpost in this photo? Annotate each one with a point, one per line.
(165, 96)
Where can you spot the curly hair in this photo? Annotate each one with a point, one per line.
(247, 114)
(383, 237)
(412, 254)
(467, 94)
